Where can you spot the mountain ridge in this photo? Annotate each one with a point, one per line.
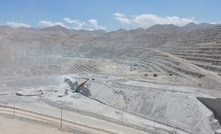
(58, 40)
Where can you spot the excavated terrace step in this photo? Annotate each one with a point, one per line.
(213, 61)
(175, 68)
(198, 55)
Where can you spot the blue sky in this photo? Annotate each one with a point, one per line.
(107, 14)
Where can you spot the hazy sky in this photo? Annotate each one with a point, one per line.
(107, 14)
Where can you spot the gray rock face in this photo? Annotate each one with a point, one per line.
(176, 109)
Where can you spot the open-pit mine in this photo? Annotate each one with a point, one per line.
(161, 80)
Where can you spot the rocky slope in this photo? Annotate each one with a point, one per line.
(64, 42)
(199, 44)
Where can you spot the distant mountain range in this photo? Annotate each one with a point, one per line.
(61, 41)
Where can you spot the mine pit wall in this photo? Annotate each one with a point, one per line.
(33, 82)
(174, 109)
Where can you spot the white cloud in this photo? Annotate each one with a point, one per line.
(122, 18)
(215, 22)
(16, 25)
(50, 24)
(151, 19)
(92, 24)
(119, 14)
(78, 24)
(95, 25)
(146, 20)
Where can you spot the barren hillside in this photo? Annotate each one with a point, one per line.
(168, 48)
